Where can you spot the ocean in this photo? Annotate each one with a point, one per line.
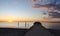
(16, 24)
(28, 25)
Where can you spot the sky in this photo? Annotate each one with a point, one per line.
(18, 9)
(21, 9)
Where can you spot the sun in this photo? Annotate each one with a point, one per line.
(10, 20)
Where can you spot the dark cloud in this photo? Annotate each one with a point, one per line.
(54, 14)
(51, 3)
(55, 3)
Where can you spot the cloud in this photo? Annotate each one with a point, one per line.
(55, 3)
(44, 2)
(54, 14)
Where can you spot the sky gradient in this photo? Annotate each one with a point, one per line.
(21, 10)
(18, 9)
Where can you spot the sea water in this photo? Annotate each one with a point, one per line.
(16, 25)
(28, 25)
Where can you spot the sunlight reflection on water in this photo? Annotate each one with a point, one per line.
(28, 25)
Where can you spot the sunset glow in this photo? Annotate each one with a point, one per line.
(10, 20)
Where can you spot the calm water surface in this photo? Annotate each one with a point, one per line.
(28, 25)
